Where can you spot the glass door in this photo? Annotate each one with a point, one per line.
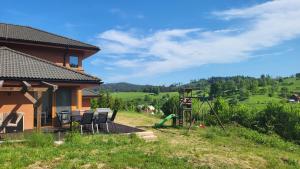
(63, 100)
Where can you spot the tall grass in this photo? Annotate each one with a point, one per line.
(39, 139)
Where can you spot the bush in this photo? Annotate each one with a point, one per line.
(171, 106)
(284, 119)
(221, 107)
(39, 139)
(243, 115)
(280, 118)
(73, 138)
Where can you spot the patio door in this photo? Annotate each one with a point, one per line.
(47, 108)
(63, 99)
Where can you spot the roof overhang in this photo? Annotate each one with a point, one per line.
(87, 50)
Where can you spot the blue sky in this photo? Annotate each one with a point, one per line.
(170, 41)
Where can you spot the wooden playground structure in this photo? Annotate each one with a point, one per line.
(184, 115)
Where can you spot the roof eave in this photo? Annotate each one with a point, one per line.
(94, 49)
(53, 80)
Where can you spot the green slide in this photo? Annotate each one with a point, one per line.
(161, 123)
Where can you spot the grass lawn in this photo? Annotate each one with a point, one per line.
(176, 148)
(292, 83)
(260, 101)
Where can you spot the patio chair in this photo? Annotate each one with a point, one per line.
(112, 119)
(101, 118)
(76, 116)
(63, 117)
(89, 111)
(87, 120)
(15, 122)
(103, 110)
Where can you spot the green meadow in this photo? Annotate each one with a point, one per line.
(211, 147)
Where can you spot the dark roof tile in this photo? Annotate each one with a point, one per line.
(89, 92)
(28, 34)
(17, 65)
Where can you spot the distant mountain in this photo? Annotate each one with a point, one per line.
(128, 87)
(124, 87)
(230, 83)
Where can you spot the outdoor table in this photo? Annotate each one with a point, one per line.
(70, 117)
(74, 118)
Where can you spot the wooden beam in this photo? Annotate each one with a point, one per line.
(53, 86)
(26, 84)
(10, 89)
(1, 83)
(30, 98)
(18, 89)
(38, 110)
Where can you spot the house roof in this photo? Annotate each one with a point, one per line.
(9, 32)
(15, 65)
(89, 93)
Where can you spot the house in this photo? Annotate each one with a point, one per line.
(294, 98)
(87, 96)
(41, 74)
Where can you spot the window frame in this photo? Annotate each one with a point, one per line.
(70, 60)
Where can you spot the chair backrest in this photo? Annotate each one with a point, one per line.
(76, 113)
(103, 110)
(63, 117)
(89, 111)
(101, 118)
(114, 115)
(87, 118)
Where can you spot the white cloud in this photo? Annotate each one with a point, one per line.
(268, 24)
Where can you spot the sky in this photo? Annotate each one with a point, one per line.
(171, 41)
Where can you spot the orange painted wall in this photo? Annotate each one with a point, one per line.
(86, 103)
(16, 102)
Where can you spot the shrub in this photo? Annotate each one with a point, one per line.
(39, 139)
(73, 138)
(170, 106)
(243, 115)
(221, 107)
(284, 119)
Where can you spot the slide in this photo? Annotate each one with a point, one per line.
(161, 123)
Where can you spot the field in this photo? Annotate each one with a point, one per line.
(175, 148)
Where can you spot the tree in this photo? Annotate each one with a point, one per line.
(298, 75)
(147, 98)
(244, 94)
(117, 105)
(254, 86)
(215, 89)
(284, 92)
(94, 103)
(156, 90)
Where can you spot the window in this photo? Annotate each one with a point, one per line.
(74, 61)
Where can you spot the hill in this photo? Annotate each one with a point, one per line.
(123, 87)
(129, 87)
